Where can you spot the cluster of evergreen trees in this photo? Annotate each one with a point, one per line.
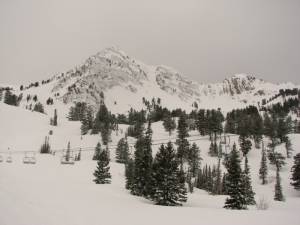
(209, 122)
(45, 148)
(160, 179)
(246, 122)
(212, 180)
(103, 122)
(12, 99)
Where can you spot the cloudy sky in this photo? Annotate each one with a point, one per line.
(206, 40)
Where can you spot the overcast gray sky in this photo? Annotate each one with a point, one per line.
(206, 40)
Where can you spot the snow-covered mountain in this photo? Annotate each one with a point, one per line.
(125, 81)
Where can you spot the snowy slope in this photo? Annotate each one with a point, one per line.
(50, 193)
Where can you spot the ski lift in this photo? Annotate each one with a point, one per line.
(1, 158)
(9, 159)
(29, 159)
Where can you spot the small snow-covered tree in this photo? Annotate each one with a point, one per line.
(97, 151)
(169, 124)
(263, 170)
(296, 172)
(102, 174)
(194, 159)
(245, 144)
(129, 174)
(122, 151)
(249, 193)
(278, 189)
(182, 142)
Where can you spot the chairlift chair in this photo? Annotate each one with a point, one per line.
(29, 159)
(9, 159)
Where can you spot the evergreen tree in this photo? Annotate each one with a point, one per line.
(263, 170)
(234, 182)
(143, 165)
(182, 193)
(79, 155)
(182, 142)
(213, 149)
(38, 107)
(97, 152)
(296, 172)
(68, 153)
(224, 186)
(202, 122)
(129, 174)
(55, 118)
(85, 124)
(169, 124)
(217, 187)
(102, 174)
(45, 148)
(278, 189)
(194, 159)
(245, 144)
(167, 186)
(249, 193)
(122, 151)
(103, 124)
(288, 147)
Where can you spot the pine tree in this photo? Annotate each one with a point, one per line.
(38, 107)
(122, 151)
(85, 126)
(249, 193)
(217, 187)
(263, 170)
(79, 155)
(288, 147)
(167, 186)
(129, 174)
(102, 174)
(213, 149)
(224, 186)
(143, 164)
(194, 159)
(278, 189)
(209, 180)
(182, 193)
(68, 153)
(234, 182)
(97, 152)
(245, 144)
(296, 172)
(182, 142)
(55, 118)
(202, 122)
(169, 124)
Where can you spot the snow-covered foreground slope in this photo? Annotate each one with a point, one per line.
(49, 193)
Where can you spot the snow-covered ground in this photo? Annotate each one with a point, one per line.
(49, 193)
